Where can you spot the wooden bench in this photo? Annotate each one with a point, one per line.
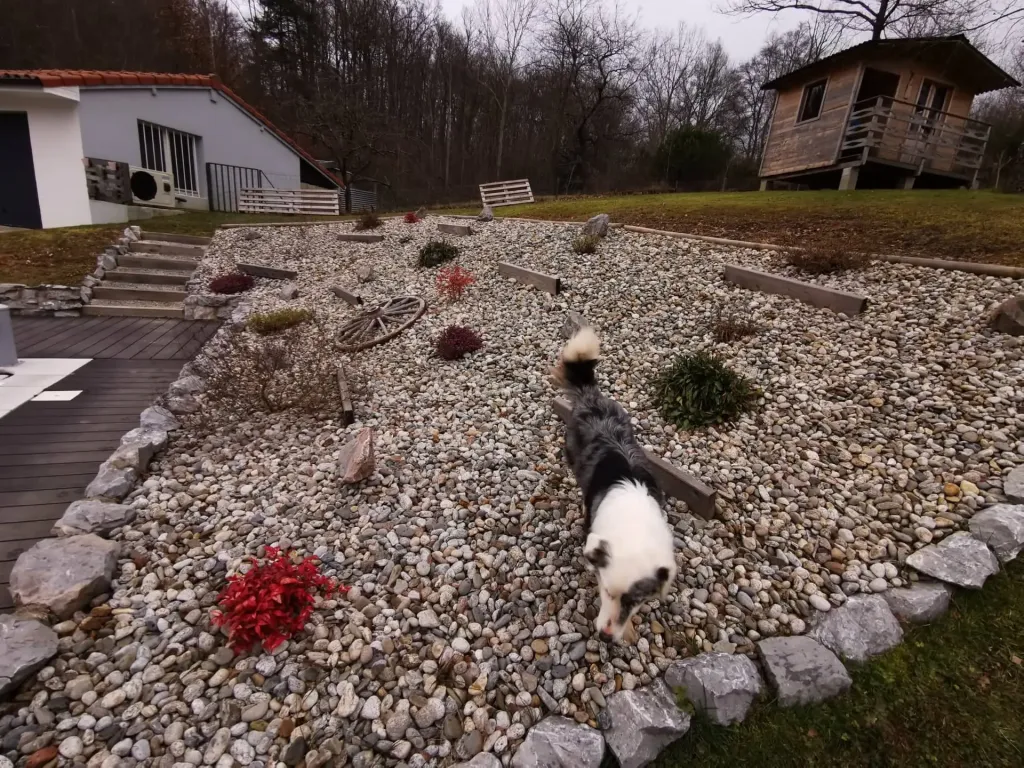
(499, 193)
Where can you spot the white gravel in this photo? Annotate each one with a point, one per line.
(470, 611)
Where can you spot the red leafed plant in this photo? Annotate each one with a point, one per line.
(411, 218)
(231, 282)
(456, 341)
(452, 282)
(272, 600)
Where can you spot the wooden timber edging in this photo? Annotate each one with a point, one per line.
(359, 237)
(262, 270)
(809, 293)
(672, 480)
(992, 270)
(348, 414)
(549, 283)
(459, 230)
(352, 298)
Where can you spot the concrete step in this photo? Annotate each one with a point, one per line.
(143, 261)
(170, 237)
(166, 249)
(135, 292)
(152, 276)
(134, 309)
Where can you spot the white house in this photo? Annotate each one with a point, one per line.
(83, 147)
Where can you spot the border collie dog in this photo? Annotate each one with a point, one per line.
(629, 541)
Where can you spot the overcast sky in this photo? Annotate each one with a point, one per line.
(741, 36)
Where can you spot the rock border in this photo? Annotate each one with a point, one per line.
(47, 300)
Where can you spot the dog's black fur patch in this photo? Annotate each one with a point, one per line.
(598, 556)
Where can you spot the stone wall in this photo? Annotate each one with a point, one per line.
(65, 300)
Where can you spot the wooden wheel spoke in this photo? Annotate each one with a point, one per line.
(382, 323)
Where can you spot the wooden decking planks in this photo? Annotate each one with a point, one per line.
(122, 338)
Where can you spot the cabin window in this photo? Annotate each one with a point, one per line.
(813, 98)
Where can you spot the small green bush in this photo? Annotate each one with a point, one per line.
(699, 389)
(586, 244)
(437, 252)
(277, 321)
(730, 327)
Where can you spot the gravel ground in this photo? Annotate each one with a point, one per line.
(470, 611)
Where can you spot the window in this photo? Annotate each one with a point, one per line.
(813, 98)
(164, 149)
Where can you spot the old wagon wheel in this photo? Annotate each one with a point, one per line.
(381, 324)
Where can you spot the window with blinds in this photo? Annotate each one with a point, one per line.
(164, 149)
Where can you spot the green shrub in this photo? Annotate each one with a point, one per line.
(586, 244)
(730, 327)
(437, 252)
(699, 389)
(277, 321)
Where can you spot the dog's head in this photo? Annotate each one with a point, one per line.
(634, 566)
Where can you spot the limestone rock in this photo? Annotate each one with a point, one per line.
(1013, 485)
(421, 213)
(924, 602)
(597, 225)
(487, 214)
(1008, 317)
(289, 291)
(558, 742)
(182, 404)
(25, 646)
(159, 418)
(143, 442)
(185, 385)
(131, 234)
(573, 322)
(861, 628)
(112, 482)
(364, 273)
(483, 760)
(801, 670)
(722, 685)
(960, 559)
(252, 234)
(355, 461)
(641, 723)
(1001, 527)
(64, 574)
(92, 516)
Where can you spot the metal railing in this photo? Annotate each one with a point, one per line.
(890, 130)
(225, 182)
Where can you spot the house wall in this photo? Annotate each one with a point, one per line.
(54, 130)
(228, 134)
(812, 144)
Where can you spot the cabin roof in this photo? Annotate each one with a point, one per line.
(952, 55)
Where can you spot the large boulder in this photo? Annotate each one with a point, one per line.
(93, 516)
(597, 225)
(959, 559)
(922, 603)
(64, 574)
(1013, 485)
(721, 685)
(639, 724)
(487, 214)
(1008, 317)
(862, 628)
(1001, 527)
(25, 646)
(355, 461)
(112, 482)
(572, 324)
(189, 384)
(801, 670)
(138, 446)
(558, 742)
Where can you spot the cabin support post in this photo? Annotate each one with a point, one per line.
(764, 185)
(907, 182)
(849, 178)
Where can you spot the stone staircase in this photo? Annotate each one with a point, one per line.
(149, 280)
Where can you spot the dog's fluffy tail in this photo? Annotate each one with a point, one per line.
(579, 357)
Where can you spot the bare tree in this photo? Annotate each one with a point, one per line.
(503, 30)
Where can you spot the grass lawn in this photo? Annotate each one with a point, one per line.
(953, 224)
(951, 696)
(64, 256)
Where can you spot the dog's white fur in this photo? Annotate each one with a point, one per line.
(640, 541)
(584, 345)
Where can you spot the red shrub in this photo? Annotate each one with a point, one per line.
(456, 341)
(232, 282)
(271, 601)
(452, 282)
(411, 218)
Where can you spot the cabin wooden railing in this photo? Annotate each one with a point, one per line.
(901, 132)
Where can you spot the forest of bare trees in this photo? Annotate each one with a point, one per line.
(576, 95)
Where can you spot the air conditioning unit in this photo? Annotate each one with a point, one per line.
(152, 187)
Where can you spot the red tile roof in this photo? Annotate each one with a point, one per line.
(85, 78)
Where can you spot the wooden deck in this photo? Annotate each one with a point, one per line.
(50, 451)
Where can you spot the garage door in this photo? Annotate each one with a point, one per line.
(19, 201)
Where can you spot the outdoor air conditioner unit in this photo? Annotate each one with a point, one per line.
(152, 187)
